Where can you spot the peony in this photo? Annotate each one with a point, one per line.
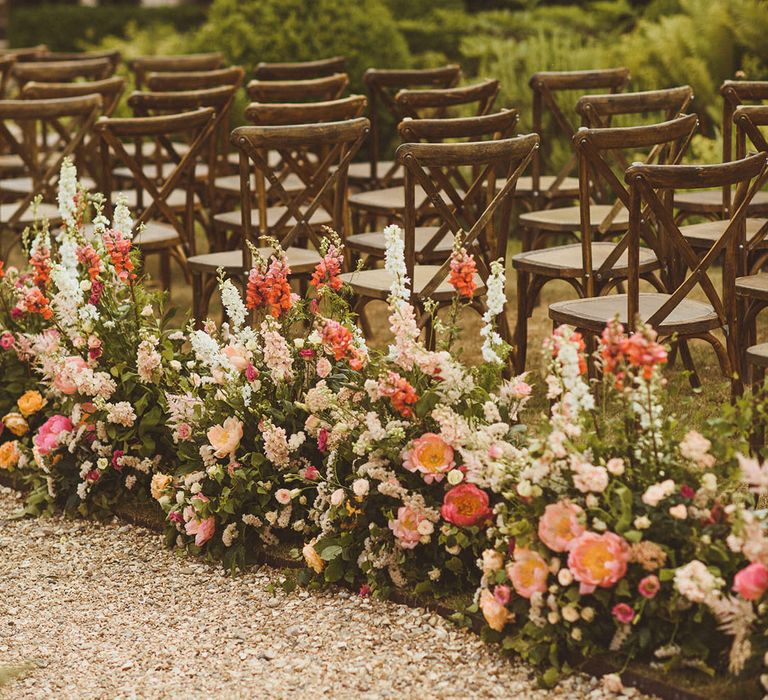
(313, 559)
(680, 512)
(159, 485)
(528, 573)
(623, 613)
(465, 505)
(9, 454)
(494, 612)
(64, 380)
(598, 560)
(202, 529)
(225, 438)
(406, 527)
(560, 525)
(47, 438)
(30, 402)
(649, 586)
(16, 423)
(430, 455)
(237, 356)
(751, 582)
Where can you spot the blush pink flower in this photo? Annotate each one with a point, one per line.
(237, 356)
(494, 612)
(528, 573)
(649, 586)
(226, 437)
(623, 613)
(6, 340)
(465, 505)
(406, 527)
(323, 367)
(598, 560)
(47, 438)
(752, 581)
(64, 380)
(503, 594)
(560, 525)
(183, 431)
(202, 529)
(430, 455)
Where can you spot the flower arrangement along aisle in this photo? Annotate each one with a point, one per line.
(413, 449)
(613, 536)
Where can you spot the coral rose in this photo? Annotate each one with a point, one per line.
(495, 614)
(406, 527)
(9, 454)
(751, 582)
(561, 524)
(528, 573)
(465, 505)
(430, 455)
(30, 402)
(225, 438)
(47, 438)
(313, 559)
(16, 423)
(598, 560)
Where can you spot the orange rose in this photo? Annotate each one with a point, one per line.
(9, 454)
(312, 558)
(159, 485)
(16, 423)
(30, 402)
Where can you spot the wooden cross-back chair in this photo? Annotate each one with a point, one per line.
(25, 53)
(143, 65)
(593, 266)
(41, 164)
(62, 71)
(329, 87)
(477, 215)
(112, 55)
(300, 214)
(599, 111)
(541, 190)
(174, 81)
(6, 66)
(371, 245)
(301, 70)
(165, 205)
(672, 312)
(381, 85)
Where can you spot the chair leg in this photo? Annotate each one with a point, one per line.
(685, 356)
(521, 323)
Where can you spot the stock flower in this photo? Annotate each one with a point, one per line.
(649, 586)
(30, 402)
(623, 613)
(226, 437)
(598, 560)
(16, 423)
(313, 559)
(338, 340)
(327, 271)
(465, 505)
(494, 612)
(47, 437)
(9, 454)
(561, 524)
(268, 287)
(400, 393)
(119, 250)
(35, 302)
(40, 260)
(751, 582)
(463, 270)
(528, 573)
(430, 455)
(88, 256)
(406, 527)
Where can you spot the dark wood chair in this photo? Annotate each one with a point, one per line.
(600, 111)
(112, 55)
(330, 87)
(143, 65)
(672, 312)
(42, 164)
(175, 81)
(165, 204)
(594, 266)
(300, 214)
(6, 67)
(301, 70)
(62, 71)
(474, 212)
(25, 53)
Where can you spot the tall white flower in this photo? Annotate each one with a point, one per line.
(495, 300)
(233, 304)
(121, 221)
(67, 192)
(394, 262)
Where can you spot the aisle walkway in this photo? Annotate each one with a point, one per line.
(103, 611)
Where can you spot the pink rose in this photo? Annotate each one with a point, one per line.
(649, 586)
(237, 356)
(406, 527)
(503, 594)
(430, 455)
(202, 529)
(6, 340)
(311, 473)
(283, 496)
(598, 560)
(623, 613)
(465, 505)
(183, 431)
(528, 573)
(47, 438)
(64, 380)
(560, 525)
(751, 582)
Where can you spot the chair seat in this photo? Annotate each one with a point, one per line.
(373, 243)
(230, 184)
(23, 185)
(150, 147)
(568, 261)
(703, 235)
(175, 200)
(300, 260)
(233, 219)
(711, 201)
(11, 163)
(565, 219)
(361, 172)
(156, 235)
(569, 187)
(753, 286)
(592, 314)
(44, 211)
(376, 283)
(390, 199)
(151, 169)
(758, 355)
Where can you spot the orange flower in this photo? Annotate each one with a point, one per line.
(119, 250)
(30, 402)
(327, 270)
(41, 262)
(269, 289)
(88, 256)
(400, 393)
(9, 454)
(463, 270)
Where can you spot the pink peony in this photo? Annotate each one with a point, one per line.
(598, 560)
(649, 586)
(560, 525)
(64, 380)
(430, 455)
(406, 527)
(528, 573)
(623, 613)
(202, 529)
(47, 438)
(752, 581)
(465, 505)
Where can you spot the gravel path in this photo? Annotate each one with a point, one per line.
(104, 611)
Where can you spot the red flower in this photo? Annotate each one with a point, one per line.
(88, 256)
(465, 505)
(463, 269)
(687, 492)
(269, 288)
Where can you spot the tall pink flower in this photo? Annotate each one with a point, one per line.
(528, 573)
(430, 455)
(560, 524)
(598, 560)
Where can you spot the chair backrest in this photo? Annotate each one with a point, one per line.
(310, 90)
(171, 81)
(495, 126)
(437, 102)
(71, 117)
(301, 70)
(161, 130)
(665, 143)
(428, 165)
(650, 188)
(599, 110)
(749, 121)
(285, 113)
(382, 84)
(181, 63)
(26, 53)
(545, 87)
(325, 179)
(62, 71)
(112, 55)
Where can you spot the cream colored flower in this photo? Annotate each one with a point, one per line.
(312, 558)
(226, 437)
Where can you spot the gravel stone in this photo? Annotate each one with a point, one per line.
(102, 610)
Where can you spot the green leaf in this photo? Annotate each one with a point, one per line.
(330, 552)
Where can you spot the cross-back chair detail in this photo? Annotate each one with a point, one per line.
(301, 70)
(416, 103)
(63, 71)
(113, 55)
(174, 81)
(143, 65)
(329, 87)
(598, 111)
